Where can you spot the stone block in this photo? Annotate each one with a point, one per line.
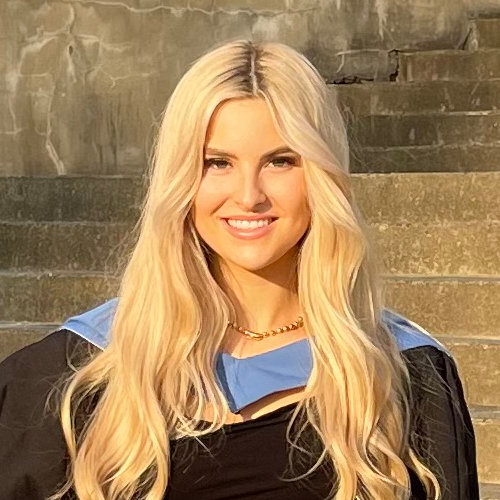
(52, 297)
(486, 423)
(477, 362)
(449, 65)
(75, 246)
(428, 197)
(442, 158)
(472, 128)
(460, 307)
(398, 98)
(489, 491)
(71, 198)
(485, 33)
(455, 249)
(391, 198)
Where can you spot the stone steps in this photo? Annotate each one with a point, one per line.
(485, 33)
(431, 129)
(486, 422)
(395, 198)
(428, 197)
(452, 249)
(438, 142)
(439, 115)
(397, 98)
(449, 64)
(477, 363)
(446, 158)
(108, 198)
(66, 245)
(489, 491)
(443, 304)
(440, 303)
(437, 233)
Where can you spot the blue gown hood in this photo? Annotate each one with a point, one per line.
(244, 381)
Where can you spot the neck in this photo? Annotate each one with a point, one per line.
(264, 299)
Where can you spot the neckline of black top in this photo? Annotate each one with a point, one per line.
(277, 414)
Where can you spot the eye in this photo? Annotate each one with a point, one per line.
(288, 161)
(210, 161)
(283, 160)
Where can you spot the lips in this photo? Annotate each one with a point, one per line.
(249, 233)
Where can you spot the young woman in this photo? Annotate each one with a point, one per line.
(247, 354)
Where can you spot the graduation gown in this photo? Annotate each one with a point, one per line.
(247, 457)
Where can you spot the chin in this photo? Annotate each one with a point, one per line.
(253, 264)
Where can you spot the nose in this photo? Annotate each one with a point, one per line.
(249, 190)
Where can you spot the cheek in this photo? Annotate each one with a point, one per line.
(292, 197)
(208, 198)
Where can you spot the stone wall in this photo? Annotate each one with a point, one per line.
(83, 82)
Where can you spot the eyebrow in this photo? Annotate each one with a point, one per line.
(281, 149)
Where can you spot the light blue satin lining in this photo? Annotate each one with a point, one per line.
(244, 381)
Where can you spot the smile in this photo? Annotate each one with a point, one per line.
(248, 224)
(248, 230)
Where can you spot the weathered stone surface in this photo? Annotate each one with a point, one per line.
(485, 33)
(354, 65)
(486, 423)
(477, 362)
(75, 246)
(71, 198)
(84, 83)
(397, 98)
(449, 65)
(391, 198)
(442, 306)
(428, 197)
(453, 249)
(457, 307)
(483, 8)
(482, 127)
(441, 158)
(489, 491)
(51, 297)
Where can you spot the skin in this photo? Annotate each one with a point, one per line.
(258, 275)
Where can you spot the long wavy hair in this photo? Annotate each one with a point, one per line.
(151, 384)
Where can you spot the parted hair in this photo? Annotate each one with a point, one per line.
(158, 371)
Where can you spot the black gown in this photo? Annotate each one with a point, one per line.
(247, 457)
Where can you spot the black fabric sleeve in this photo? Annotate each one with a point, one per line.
(32, 447)
(441, 429)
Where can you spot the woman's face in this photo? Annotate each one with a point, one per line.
(242, 178)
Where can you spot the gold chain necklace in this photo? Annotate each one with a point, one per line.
(260, 336)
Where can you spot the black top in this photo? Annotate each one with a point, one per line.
(246, 458)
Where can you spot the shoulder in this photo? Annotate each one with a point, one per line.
(29, 374)
(33, 451)
(44, 358)
(433, 370)
(408, 334)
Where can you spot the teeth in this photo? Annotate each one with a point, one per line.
(247, 224)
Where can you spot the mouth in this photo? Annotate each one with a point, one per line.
(251, 230)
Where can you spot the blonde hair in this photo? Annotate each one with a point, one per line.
(157, 372)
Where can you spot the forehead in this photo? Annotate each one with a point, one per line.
(245, 124)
